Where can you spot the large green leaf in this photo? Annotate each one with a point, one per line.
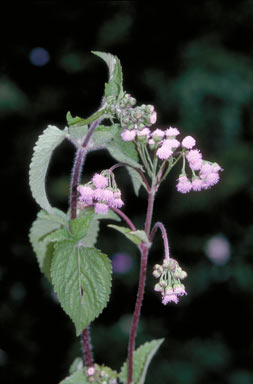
(114, 87)
(123, 151)
(141, 360)
(135, 236)
(82, 281)
(44, 226)
(47, 142)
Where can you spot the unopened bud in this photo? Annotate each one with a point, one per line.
(156, 274)
(182, 275)
(158, 288)
(169, 290)
(150, 108)
(132, 101)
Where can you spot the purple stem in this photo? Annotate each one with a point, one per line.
(164, 236)
(125, 218)
(76, 174)
(142, 278)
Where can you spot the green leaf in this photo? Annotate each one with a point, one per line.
(79, 227)
(141, 360)
(47, 142)
(77, 365)
(77, 121)
(114, 87)
(135, 236)
(82, 281)
(79, 377)
(43, 226)
(102, 135)
(123, 151)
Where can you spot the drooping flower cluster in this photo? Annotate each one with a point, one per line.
(101, 374)
(170, 275)
(101, 192)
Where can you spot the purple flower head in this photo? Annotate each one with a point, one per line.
(164, 152)
(108, 195)
(197, 184)
(100, 181)
(101, 208)
(116, 203)
(194, 155)
(206, 169)
(158, 135)
(86, 194)
(170, 299)
(172, 132)
(184, 185)
(171, 143)
(188, 142)
(212, 178)
(98, 194)
(179, 290)
(128, 135)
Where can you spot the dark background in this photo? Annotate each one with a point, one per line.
(193, 61)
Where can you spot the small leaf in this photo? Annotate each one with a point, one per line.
(77, 121)
(123, 151)
(141, 360)
(82, 281)
(135, 236)
(43, 249)
(79, 377)
(114, 87)
(47, 142)
(72, 120)
(77, 365)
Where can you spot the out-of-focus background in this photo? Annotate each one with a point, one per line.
(193, 61)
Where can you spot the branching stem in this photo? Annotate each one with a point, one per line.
(164, 236)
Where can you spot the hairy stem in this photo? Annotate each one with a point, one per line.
(125, 218)
(76, 174)
(142, 279)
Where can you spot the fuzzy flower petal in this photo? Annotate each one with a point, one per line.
(188, 142)
(184, 185)
(172, 132)
(128, 135)
(100, 181)
(86, 194)
(164, 152)
(101, 208)
(170, 298)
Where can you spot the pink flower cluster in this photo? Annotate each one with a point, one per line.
(170, 286)
(208, 174)
(98, 193)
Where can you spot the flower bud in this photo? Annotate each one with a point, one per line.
(163, 284)
(158, 288)
(132, 101)
(182, 275)
(169, 290)
(156, 274)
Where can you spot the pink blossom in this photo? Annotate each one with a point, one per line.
(194, 155)
(180, 290)
(90, 371)
(212, 178)
(116, 203)
(196, 165)
(86, 194)
(144, 132)
(101, 208)
(172, 131)
(108, 195)
(98, 194)
(197, 184)
(100, 181)
(184, 185)
(170, 298)
(171, 143)
(117, 194)
(128, 135)
(206, 169)
(188, 142)
(164, 152)
(158, 135)
(153, 117)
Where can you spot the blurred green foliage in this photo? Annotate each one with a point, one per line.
(194, 63)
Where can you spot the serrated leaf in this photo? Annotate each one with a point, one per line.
(123, 151)
(82, 281)
(135, 236)
(43, 249)
(141, 360)
(102, 135)
(114, 87)
(79, 377)
(47, 142)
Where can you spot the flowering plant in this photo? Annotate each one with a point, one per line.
(64, 243)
